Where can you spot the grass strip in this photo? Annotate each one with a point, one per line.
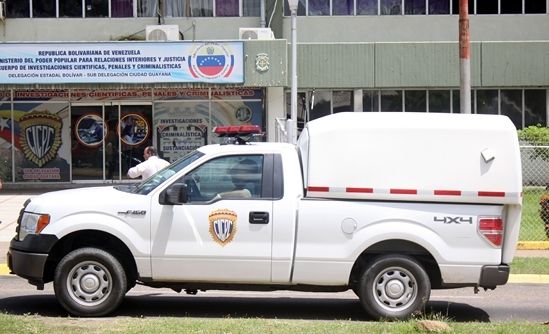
(15, 324)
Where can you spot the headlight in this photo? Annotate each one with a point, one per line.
(32, 223)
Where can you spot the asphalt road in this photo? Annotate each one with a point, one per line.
(512, 302)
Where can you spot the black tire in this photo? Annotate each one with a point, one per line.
(89, 282)
(394, 287)
(356, 290)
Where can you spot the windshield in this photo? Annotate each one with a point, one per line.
(162, 175)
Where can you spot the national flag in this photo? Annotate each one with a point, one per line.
(210, 65)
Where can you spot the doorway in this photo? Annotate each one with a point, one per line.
(108, 139)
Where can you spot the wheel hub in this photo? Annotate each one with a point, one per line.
(89, 283)
(394, 289)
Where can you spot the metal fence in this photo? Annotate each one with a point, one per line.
(535, 178)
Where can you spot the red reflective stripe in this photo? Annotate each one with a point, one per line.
(491, 194)
(448, 192)
(323, 189)
(397, 191)
(403, 191)
(359, 190)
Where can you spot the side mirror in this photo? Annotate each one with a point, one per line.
(176, 194)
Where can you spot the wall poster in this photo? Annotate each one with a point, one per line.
(187, 124)
(41, 135)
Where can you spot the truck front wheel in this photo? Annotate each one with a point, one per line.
(89, 282)
(394, 287)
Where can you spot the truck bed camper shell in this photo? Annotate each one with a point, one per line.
(412, 157)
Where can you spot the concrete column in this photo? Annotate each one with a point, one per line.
(357, 100)
(275, 108)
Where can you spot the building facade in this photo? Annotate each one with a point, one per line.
(87, 84)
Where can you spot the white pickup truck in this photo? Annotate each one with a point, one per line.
(388, 205)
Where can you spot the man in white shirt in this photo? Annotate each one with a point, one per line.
(151, 165)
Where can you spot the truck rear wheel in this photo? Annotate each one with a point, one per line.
(394, 287)
(90, 282)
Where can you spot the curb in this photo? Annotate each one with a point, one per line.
(518, 278)
(533, 245)
(528, 278)
(4, 271)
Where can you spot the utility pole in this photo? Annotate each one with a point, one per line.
(464, 58)
(292, 134)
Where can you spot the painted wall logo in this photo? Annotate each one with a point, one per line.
(90, 130)
(133, 129)
(243, 114)
(262, 63)
(40, 136)
(211, 61)
(222, 226)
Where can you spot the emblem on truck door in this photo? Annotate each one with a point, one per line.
(222, 226)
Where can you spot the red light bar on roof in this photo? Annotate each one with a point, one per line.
(239, 130)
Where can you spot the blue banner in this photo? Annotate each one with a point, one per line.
(122, 62)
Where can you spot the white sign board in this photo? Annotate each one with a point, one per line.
(121, 62)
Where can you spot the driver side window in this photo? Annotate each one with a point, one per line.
(230, 177)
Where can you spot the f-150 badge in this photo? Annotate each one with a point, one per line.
(133, 212)
(222, 226)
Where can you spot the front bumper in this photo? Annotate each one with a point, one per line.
(492, 276)
(28, 258)
(27, 265)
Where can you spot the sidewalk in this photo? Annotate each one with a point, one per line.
(10, 205)
(11, 202)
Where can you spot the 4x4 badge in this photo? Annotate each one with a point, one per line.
(453, 220)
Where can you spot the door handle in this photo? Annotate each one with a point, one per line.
(259, 217)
